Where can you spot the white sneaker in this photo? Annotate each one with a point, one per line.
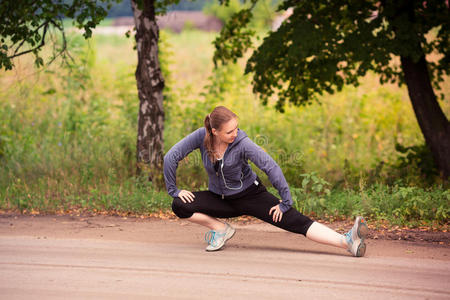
(216, 239)
(356, 236)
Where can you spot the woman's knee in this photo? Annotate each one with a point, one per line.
(180, 208)
(297, 222)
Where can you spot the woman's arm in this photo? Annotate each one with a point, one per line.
(179, 151)
(266, 163)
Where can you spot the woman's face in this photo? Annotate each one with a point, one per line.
(228, 131)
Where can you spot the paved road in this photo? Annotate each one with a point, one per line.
(256, 264)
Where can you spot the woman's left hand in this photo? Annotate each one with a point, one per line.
(277, 213)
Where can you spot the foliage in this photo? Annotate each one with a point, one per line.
(398, 204)
(68, 133)
(223, 13)
(231, 44)
(25, 25)
(417, 156)
(133, 195)
(263, 12)
(312, 183)
(326, 45)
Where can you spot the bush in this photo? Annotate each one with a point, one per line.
(400, 205)
(416, 161)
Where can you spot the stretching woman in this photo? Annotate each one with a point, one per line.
(235, 190)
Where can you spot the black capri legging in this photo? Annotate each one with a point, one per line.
(255, 201)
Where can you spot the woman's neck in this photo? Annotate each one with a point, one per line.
(220, 149)
(220, 145)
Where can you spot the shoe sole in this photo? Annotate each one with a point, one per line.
(362, 231)
(361, 249)
(228, 236)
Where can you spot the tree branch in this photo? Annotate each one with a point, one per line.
(37, 47)
(24, 40)
(64, 46)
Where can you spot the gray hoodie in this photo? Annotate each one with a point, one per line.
(227, 181)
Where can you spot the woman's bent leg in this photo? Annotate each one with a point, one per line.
(204, 210)
(207, 221)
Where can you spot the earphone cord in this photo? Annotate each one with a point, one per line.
(225, 182)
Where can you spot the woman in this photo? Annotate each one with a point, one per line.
(235, 190)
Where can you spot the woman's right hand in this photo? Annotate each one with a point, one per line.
(186, 196)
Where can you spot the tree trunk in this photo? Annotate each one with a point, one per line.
(150, 84)
(432, 120)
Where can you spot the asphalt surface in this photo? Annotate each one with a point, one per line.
(104, 258)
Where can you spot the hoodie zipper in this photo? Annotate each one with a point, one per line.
(217, 173)
(223, 161)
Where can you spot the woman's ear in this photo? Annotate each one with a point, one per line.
(214, 131)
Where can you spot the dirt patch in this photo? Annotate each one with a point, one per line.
(377, 232)
(413, 235)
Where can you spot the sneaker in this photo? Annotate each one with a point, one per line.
(356, 236)
(216, 239)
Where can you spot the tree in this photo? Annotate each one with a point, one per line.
(24, 28)
(325, 45)
(150, 84)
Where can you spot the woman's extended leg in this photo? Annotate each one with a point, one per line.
(259, 204)
(353, 240)
(322, 234)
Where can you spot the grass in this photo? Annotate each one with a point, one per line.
(399, 205)
(132, 196)
(68, 134)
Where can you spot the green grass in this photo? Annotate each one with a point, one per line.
(400, 205)
(131, 196)
(68, 134)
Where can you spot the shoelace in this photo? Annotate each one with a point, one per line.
(212, 235)
(348, 237)
(209, 237)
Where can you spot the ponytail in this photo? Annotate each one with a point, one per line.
(209, 138)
